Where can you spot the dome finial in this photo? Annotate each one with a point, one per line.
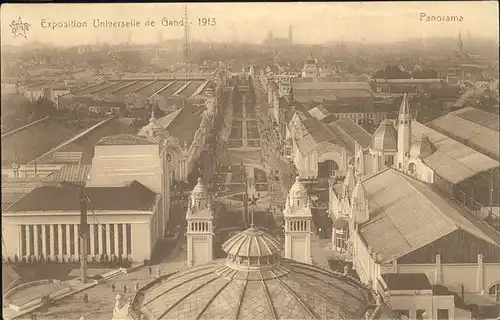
(252, 225)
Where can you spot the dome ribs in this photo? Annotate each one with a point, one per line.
(328, 283)
(179, 285)
(240, 300)
(268, 296)
(202, 311)
(187, 295)
(302, 303)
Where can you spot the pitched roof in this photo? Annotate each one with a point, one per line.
(166, 120)
(132, 197)
(323, 85)
(453, 161)
(31, 141)
(70, 173)
(123, 139)
(185, 124)
(407, 281)
(476, 128)
(351, 133)
(326, 90)
(407, 214)
(335, 107)
(316, 133)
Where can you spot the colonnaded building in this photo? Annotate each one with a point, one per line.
(128, 188)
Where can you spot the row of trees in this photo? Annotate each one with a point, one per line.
(18, 111)
(395, 72)
(102, 259)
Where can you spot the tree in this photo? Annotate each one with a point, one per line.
(424, 74)
(392, 72)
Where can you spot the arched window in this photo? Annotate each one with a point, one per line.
(495, 291)
(412, 168)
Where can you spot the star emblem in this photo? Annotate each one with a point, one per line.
(253, 201)
(19, 28)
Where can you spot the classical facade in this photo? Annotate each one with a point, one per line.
(316, 151)
(124, 221)
(297, 215)
(200, 235)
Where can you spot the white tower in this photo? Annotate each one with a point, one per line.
(298, 224)
(199, 234)
(404, 133)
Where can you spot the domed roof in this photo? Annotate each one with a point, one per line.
(152, 127)
(252, 243)
(199, 189)
(278, 289)
(298, 189)
(385, 137)
(422, 148)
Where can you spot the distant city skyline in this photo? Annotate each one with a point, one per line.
(313, 23)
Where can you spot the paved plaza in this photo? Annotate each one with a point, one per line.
(102, 298)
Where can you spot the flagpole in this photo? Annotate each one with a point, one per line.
(83, 235)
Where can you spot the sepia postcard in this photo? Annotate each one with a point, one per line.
(250, 161)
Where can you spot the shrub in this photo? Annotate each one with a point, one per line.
(23, 260)
(16, 259)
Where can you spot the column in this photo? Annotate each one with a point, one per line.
(77, 240)
(60, 240)
(99, 239)
(35, 240)
(68, 240)
(51, 238)
(116, 239)
(44, 241)
(92, 240)
(108, 240)
(124, 239)
(28, 240)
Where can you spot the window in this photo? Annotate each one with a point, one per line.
(112, 238)
(23, 240)
(429, 177)
(495, 292)
(412, 168)
(129, 238)
(442, 314)
(389, 161)
(340, 241)
(402, 314)
(420, 314)
(64, 244)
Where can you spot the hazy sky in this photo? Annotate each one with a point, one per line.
(250, 22)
